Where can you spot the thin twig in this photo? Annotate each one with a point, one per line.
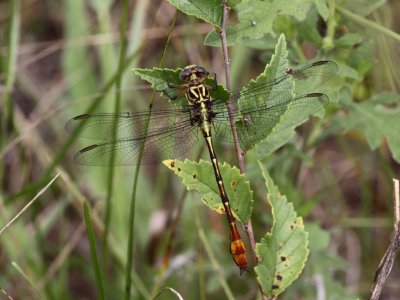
(386, 264)
(239, 152)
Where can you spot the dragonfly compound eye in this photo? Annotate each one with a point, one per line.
(184, 75)
(201, 72)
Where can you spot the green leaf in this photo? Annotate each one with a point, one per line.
(378, 119)
(255, 22)
(322, 8)
(307, 30)
(283, 114)
(348, 40)
(93, 251)
(207, 10)
(275, 68)
(360, 58)
(200, 177)
(349, 72)
(274, 142)
(233, 3)
(320, 237)
(213, 38)
(283, 252)
(159, 79)
(257, 17)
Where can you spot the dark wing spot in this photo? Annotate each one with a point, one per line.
(283, 258)
(275, 287)
(172, 164)
(194, 176)
(279, 277)
(179, 169)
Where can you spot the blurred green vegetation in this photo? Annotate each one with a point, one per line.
(62, 58)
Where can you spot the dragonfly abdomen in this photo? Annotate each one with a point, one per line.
(197, 95)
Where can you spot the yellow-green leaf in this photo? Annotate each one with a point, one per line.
(282, 253)
(199, 176)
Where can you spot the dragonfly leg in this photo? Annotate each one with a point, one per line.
(167, 94)
(183, 87)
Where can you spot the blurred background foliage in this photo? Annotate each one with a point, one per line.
(60, 58)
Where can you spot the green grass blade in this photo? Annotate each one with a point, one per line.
(60, 155)
(129, 263)
(214, 262)
(11, 65)
(6, 119)
(117, 108)
(93, 253)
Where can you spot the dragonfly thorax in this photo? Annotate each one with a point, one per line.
(197, 93)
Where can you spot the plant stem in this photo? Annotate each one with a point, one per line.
(240, 153)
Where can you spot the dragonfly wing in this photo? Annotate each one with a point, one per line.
(267, 108)
(254, 125)
(157, 147)
(116, 126)
(302, 81)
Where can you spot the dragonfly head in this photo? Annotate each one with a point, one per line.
(193, 73)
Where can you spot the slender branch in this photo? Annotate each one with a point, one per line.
(386, 264)
(240, 153)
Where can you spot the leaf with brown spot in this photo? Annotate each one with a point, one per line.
(282, 252)
(199, 176)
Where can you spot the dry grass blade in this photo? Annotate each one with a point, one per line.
(28, 204)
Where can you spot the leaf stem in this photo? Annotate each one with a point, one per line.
(331, 24)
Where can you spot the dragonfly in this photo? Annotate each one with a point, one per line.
(259, 111)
